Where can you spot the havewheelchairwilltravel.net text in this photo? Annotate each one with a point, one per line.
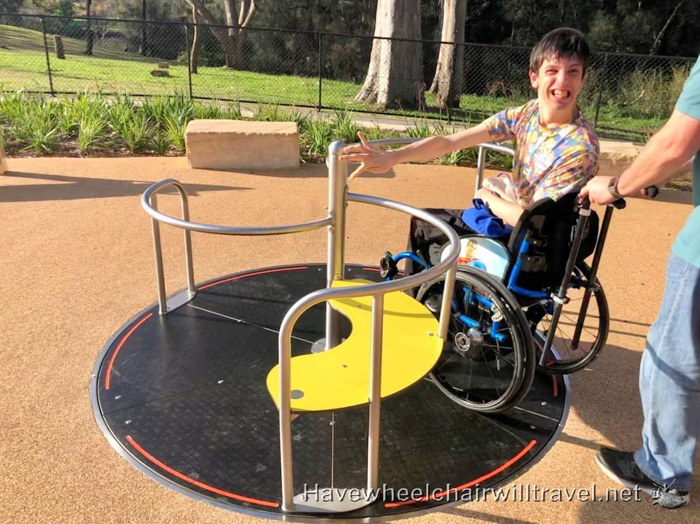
(514, 493)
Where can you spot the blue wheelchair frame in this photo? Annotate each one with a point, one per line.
(511, 286)
(556, 301)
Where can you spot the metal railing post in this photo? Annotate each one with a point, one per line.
(319, 105)
(188, 243)
(600, 91)
(447, 294)
(480, 162)
(46, 51)
(375, 394)
(155, 227)
(189, 58)
(337, 200)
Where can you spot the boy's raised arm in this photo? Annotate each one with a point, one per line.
(379, 161)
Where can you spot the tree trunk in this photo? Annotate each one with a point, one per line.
(144, 30)
(660, 36)
(229, 37)
(88, 29)
(58, 47)
(228, 45)
(395, 74)
(449, 75)
(246, 14)
(194, 54)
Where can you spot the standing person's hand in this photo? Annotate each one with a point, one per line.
(597, 190)
(371, 160)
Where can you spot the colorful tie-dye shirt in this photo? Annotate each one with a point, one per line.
(549, 161)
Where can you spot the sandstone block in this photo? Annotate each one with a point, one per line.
(237, 144)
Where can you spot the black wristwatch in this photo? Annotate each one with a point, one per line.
(612, 188)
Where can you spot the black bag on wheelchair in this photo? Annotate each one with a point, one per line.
(550, 229)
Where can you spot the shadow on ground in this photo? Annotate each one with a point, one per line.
(78, 188)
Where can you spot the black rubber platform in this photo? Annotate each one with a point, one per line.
(183, 398)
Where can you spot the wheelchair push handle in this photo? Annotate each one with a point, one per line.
(650, 192)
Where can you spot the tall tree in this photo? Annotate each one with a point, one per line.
(449, 75)
(232, 38)
(395, 74)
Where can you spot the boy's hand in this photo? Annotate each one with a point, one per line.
(485, 194)
(371, 160)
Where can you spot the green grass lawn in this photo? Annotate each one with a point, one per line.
(112, 70)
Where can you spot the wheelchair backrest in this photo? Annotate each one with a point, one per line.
(549, 227)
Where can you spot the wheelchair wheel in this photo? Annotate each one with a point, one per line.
(567, 356)
(488, 361)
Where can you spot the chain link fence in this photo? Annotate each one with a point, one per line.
(624, 96)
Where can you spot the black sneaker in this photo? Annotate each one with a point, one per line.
(621, 467)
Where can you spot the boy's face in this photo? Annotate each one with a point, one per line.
(558, 83)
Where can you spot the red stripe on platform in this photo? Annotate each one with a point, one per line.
(555, 387)
(197, 483)
(119, 348)
(468, 484)
(250, 275)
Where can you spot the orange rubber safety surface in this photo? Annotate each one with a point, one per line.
(77, 261)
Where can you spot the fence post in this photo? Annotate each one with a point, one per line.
(189, 59)
(46, 51)
(320, 68)
(600, 91)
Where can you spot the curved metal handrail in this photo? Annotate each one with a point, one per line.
(377, 291)
(221, 230)
(392, 285)
(335, 219)
(387, 142)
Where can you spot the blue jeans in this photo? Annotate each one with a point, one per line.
(669, 381)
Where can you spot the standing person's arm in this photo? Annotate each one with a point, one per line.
(667, 151)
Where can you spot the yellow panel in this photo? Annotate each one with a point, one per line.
(340, 378)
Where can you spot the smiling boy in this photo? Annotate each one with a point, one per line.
(556, 149)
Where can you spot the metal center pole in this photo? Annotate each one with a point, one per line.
(337, 201)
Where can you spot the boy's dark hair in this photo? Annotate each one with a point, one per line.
(560, 43)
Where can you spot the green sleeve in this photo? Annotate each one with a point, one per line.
(689, 101)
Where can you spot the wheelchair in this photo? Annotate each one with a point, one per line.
(529, 304)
